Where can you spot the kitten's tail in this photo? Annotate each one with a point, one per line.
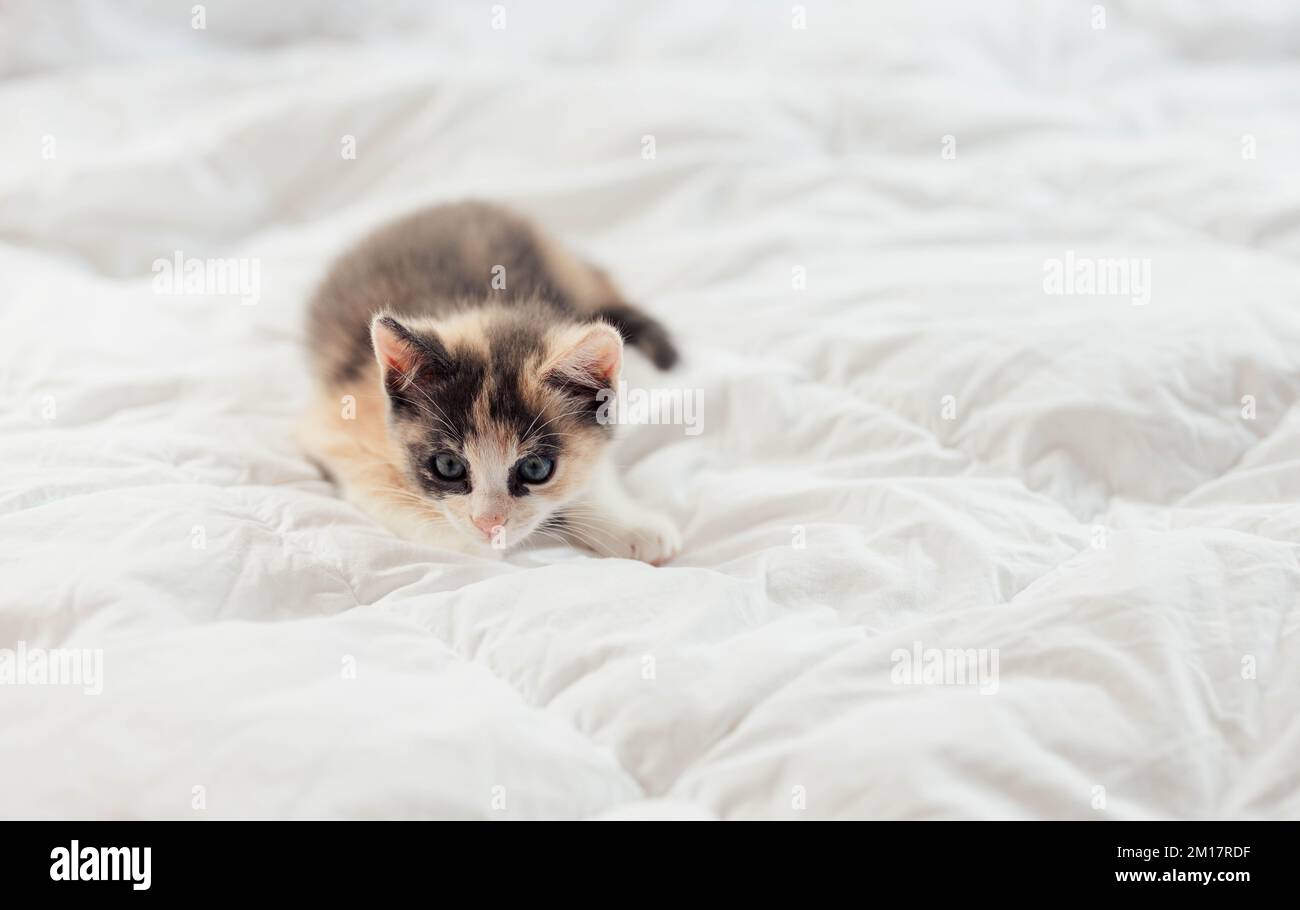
(641, 330)
(593, 293)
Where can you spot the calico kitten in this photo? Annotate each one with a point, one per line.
(474, 350)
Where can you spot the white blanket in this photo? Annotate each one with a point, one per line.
(965, 535)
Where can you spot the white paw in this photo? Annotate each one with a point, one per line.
(648, 536)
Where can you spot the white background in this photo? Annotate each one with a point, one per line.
(1098, 508)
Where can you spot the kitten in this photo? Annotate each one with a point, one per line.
(475, 350)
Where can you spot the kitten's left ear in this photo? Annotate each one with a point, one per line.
(403, 355)
(587, 355)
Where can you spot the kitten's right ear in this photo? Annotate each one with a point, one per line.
(404, 357)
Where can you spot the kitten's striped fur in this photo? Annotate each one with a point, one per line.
(438, 357)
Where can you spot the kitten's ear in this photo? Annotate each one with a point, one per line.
(404, 357)
(588, 355)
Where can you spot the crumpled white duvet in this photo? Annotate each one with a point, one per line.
(912, 439)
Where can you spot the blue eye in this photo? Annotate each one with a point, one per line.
(448, 466)
(536, 468)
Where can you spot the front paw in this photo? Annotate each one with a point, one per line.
(648, 536)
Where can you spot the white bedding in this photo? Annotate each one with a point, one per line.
(1089, 505)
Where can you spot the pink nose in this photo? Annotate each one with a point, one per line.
(489, 523)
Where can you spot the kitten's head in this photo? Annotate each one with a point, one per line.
(495, 415)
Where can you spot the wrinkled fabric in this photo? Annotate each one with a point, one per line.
(918, 432)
